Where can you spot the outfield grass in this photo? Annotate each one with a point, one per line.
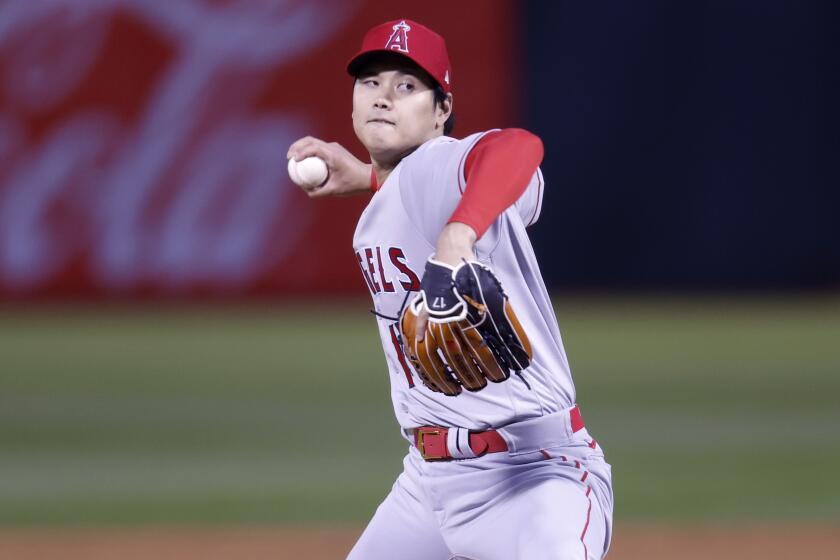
(707, 409)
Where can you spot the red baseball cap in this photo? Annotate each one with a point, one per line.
(408, 38)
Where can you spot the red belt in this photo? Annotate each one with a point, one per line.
(431, 441)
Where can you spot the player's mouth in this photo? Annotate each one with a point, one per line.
(381, 121)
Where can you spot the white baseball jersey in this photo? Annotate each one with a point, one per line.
(549, 498)
(397, 233)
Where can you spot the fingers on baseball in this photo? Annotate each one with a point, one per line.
(297, 147)
(310, 146)
(318, 191)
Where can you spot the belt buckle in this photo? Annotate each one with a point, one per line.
(421, 444)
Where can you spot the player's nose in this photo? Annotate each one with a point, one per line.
(382, 103)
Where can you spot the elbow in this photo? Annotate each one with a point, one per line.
(528, 142)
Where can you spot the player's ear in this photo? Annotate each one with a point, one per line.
(442, 111)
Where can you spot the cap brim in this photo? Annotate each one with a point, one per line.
(357, 62)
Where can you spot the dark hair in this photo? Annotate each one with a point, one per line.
(440, 97)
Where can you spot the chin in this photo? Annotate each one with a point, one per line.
(380, 143)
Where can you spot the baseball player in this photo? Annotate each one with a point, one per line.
(500, 465)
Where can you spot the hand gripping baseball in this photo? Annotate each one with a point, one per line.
(346, 174)
(472, 334)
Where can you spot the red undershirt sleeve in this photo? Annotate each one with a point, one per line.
(498, 170)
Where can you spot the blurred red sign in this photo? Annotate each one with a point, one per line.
(142, 143)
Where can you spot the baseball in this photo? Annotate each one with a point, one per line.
(308, 172)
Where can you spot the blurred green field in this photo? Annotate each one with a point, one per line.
(707, 408)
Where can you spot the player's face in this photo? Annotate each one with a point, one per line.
(394, 109)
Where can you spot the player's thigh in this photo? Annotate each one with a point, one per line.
(550, 519)
(403, 527)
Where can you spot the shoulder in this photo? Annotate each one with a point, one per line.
(443, 149)
(446, 144)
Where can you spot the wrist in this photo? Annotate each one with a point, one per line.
(455, 244)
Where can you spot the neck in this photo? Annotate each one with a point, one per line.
(383, 171)
(385, 162)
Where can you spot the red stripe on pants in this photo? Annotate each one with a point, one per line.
(585, 527)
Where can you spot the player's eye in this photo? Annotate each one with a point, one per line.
(405, 86)
(370, 82)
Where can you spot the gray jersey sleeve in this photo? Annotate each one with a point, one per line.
(432, 182)
(529, 204)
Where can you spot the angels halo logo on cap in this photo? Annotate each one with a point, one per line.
(427, 49)
(398, 41)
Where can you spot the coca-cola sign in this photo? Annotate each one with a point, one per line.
(142, 146)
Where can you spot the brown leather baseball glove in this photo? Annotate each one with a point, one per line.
(472, 334)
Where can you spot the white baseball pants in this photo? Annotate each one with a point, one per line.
(551, 504)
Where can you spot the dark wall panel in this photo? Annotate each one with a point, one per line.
(688, 145)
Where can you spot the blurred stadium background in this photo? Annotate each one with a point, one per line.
(184, 337)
